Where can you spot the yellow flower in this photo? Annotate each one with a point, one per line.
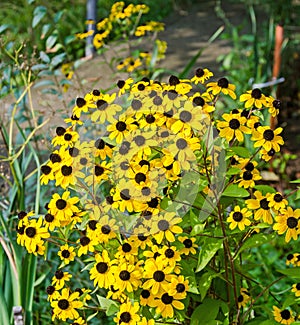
(254, 97)
(121, 128)
(166, 303)
(128, 314)
(201, 75)
(239, 218)
(288, 221)
(283, 316)
(233, 126)
(67, 253)
(66, 305)
(262, 206)
(267, 138)
(243, 298)
(222, 85)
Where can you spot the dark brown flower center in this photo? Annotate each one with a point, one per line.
(278, 197)
(277, 103)
(159, 276)
(74, 152)
(157, 101)
(163, 225)
(181, 144)
(46, 170)
(60, 131)
(121, 126)
(256, 93)
(169, 253)
(124, 275)
(59, 274)
(187, 243)
(83, 161)
(199, 73)
(141, 87)
(223, 83)
(100, 144)
(153, 203)
(126, 248)
(50, 290)
(185, 116)
(146, 191)
(92, 224)
(63, 304)
(68, 136)
(139, 140)
(198, 101)
(249, 166)
(237, 216)
(102, 267)
(180, 287)
(268, 135)
(285, 314)
(55, 158)
(84, 241)
(66, 170)
(61, 204)
(102, 104)
(65, 253)
(292, 222)
(140, 177)
(121, 84)
(166, 299)
(264, 204)
(234, 124)
(30, 232)
(96, 92)
(173, 81)
(80, 102)
(145, 294)
(247, 175)
(136, 104)
(150, 119)
(49, 217)
(125, 317)
(99, 170)
(124, 194)
(105, 229)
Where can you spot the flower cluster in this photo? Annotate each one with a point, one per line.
(128, 168)
(125, 22)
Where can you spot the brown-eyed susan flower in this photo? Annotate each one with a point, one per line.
(248, 178)
(124, 85)
(179, 287)
(106, 109)
(47, 174)
(99, 172)
(181, 86)
(106, 229)
(166, 303)
(201, 75)
(59, 279)
(157, 276)
(127, 250)
(244, 298)
(290, 259)
(79, 321)
(189, 245)
(239, 218)
(67, 175)
(262, 207)
(204, 101)
(52, 293)
(274, 105)
(101, 149)
(288, 222)
(283, 316)
(222, 85)
(87, 244)
(83, 105)
(121, 128)
(128, 314)
(166, 226)
(277, 201)
(65, 306)
(267, 155)
(67, 253)
(116, 294)
(296, 289)
(32, 234)
(233, 126)
(146, 298)
(254, 97)
(101, 272)
(65, 137)
(267, 138)
(127, 275)
(63, 206)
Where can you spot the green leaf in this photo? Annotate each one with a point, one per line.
(257, 240)
(293, 273)
(289, 301)
(205, 282)
(240, 151)
(38, 14)
(264, 189)
(296, 181)
(110, 306)
(208, 251)
(58, 59)
(233, 190)
(233, 171)
(44, 83)
(51, 40)
(206, 312)
(44, 57)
